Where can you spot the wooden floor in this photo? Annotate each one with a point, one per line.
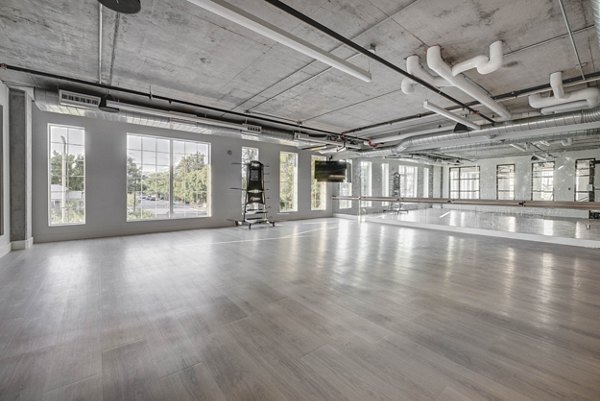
(315, 310)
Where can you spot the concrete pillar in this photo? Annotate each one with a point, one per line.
(20, 169)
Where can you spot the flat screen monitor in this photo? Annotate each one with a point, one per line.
(330, 171)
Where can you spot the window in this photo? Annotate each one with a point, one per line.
(167, 178)
(385, 181)
(318, 190)
(366, 176)
(66, 170)
(505, 182)
(408, 181)
(464, 182)
(584, 180)
(288, 182)
(345, 188)
(248, 155)
(542, 182)
(426, 182)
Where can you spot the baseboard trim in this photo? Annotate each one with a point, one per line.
(25, 244)
(5, 249)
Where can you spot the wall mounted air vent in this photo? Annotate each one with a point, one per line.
(253, 129)
(67, 98)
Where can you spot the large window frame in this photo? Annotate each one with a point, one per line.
(288, 182)
(385, 181)
(408, 181)
(366, 181)
(318, 189)
(426, 192)
(175, 185)
(464, 182)
(505, 178)
(67, 139)
(345, 188)
(542, 173)
(582, 173)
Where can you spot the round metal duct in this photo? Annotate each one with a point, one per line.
(123, 6)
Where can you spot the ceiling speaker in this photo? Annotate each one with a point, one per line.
(123, 6)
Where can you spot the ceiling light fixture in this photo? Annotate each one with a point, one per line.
(174, 116)
(266, 29)
(123, 6)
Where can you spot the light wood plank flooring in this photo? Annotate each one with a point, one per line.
(315, 310)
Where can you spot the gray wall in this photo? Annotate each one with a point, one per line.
(106, 163)
(4, 238)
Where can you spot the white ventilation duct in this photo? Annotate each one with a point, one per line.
(566, 139)
(437, 64)
(413, 66)
(49, 101)
(561, 101)
(534, 127)
(483, 64)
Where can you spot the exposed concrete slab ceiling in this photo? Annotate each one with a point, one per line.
(181, 51)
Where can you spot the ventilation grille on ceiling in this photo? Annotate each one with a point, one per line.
(253, 129)
(67, 98)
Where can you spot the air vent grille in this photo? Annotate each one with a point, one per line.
(254, 129)
(67, 98)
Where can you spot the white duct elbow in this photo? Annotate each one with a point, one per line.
(560, 101)
(413, 66)
(483, 64)
(440, 67)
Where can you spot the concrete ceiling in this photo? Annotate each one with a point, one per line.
(176, 49)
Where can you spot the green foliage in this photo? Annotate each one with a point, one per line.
(190, 180)
(75, 171)
(190, 185)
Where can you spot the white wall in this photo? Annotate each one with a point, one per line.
(564, 182)
(106, 163)
(5, 237)
(564, 175)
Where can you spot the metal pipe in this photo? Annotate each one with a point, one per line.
(454, 117)
(306, 19)
(513, 142)
(437, 64)
(564, 14)
(100, 43)
(596, 8)
(583, 120)
(154, 96)
(483, 202)
(268, 30)
(593, 77)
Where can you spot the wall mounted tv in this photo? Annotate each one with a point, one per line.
(330, 171)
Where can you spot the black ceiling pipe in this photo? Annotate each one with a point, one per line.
(306, 19)
(123, 6)
(170, 100)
